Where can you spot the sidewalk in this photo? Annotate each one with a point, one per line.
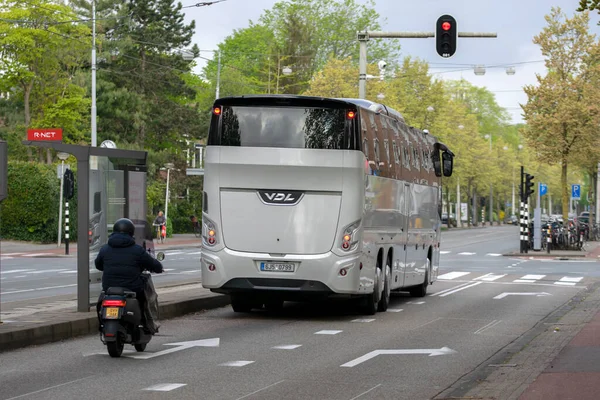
(178, 241)
(591, 250)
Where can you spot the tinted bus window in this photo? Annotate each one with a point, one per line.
(284, 127)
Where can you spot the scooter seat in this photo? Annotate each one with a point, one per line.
(119, 291)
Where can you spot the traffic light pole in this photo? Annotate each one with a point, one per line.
(522, 225)
(365, 36)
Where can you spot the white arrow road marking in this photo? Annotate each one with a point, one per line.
(165, 387)
(537, 294)
(214, 342)
(375, 353)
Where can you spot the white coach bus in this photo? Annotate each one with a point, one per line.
(308, 197)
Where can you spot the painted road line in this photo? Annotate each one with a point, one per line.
(450, 289)
(165, 387)
(448, 252)
(46, 271)
(395, 309)
(452, 275)
(363, 320)
(529, 278)
(14, 271)
(493, 254)
(459, 289)
(12, 254)
(489, 277)
(287, 347)
(365, 392)
(488, 326)
(259, 390)
(36, 289)
(38, 254)
(328, 332)
(240, 363)
(416, 302)
(466, 253)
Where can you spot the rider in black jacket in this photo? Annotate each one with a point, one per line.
(123, 261)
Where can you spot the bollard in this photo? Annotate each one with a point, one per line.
(67, 228)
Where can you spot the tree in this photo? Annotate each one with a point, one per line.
(561, 119)
(302, 35)
(38, 68)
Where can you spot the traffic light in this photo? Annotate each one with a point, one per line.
(528, 185)
(68, 184)
(445, 36)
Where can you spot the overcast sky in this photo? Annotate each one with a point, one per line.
(515, 22)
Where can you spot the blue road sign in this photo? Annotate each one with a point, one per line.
(543, 189)
(576, 191)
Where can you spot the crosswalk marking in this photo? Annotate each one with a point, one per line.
(466, 253)
(493, 254)
(489, 277)
(445, 252)
(568, 281)
(452, 275)
(529, 278)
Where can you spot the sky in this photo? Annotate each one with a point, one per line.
(516, 22)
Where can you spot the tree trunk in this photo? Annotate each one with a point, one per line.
(469, 204)
(565, 189)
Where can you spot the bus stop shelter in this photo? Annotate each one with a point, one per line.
(111, 184)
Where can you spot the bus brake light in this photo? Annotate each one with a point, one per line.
(350, 114)
(217, 110)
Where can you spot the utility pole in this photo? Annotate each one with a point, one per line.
(218, 76)
(93, 119)
(365, 36)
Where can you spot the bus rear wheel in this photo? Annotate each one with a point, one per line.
(241, 303)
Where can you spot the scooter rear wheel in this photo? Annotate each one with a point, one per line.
(140, 347)
(115, 349)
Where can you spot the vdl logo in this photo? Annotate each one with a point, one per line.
(280, 197)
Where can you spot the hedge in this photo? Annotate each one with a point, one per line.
(30, 212)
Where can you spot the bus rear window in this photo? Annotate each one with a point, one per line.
(283, 127)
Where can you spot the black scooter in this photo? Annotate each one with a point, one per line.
(121, 320)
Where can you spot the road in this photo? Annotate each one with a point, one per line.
(26, 277)
(418, 348)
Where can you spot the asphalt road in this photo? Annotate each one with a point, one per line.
(414, 351)
(25, 277)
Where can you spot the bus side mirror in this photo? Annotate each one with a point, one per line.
(448, 161)
(437, 164)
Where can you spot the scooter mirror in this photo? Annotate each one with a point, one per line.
(160, 256)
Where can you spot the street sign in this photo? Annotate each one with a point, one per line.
(575, 191)
(53, 134)
(543, 189)
(431, 352)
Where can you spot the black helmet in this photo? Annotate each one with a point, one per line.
(124, 225)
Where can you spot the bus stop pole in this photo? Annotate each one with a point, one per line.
(83, 244)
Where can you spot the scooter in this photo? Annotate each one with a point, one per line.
(121, 320)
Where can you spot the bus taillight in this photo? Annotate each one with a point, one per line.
(217, 110)
(209, 232)
(351, 114)
(349, 241)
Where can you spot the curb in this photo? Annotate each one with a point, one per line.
(87, 324)
(74, 254)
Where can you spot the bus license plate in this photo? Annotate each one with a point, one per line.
(277, 267)
(112, 313)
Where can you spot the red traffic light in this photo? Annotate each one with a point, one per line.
(446, 26)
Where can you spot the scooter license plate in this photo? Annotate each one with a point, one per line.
(111, 313)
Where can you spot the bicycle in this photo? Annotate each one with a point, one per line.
(161, 233)
(196, 226)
